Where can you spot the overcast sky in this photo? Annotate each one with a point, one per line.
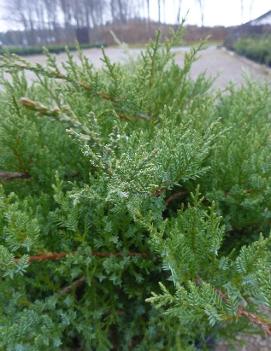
(216, 12)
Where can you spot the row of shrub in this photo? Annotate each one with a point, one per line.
(37, 50)
(255, 48)
(135, 206)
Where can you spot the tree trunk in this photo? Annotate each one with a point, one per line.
(179, 11)
(148, 10)
(201, 7)
(242, 11)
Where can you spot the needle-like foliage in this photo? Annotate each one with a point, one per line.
(107, 241)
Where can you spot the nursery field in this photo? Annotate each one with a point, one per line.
(135, 201)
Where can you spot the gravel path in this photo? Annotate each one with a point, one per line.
(216, 62)
(227, 67)
(248, 343)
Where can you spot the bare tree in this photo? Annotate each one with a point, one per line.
(179, 11)
(94, 10)
(78, 13)
(159, 11)
(242, 10)
(148, 10)
(15, 12)
(113, 10)
(52, 13)
(117, 10)
(201, 8)
(25, 13)
(46, 21)
(122, 10)
(100, 10)
(164, 10)
(66, 10)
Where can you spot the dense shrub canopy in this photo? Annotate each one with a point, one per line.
(132, 203)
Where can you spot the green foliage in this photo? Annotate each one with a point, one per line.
(38, 50)
(210, 289)
(240, 164)
(126, 178)
(255, 48)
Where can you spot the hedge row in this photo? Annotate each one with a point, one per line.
(54, 49)
(257, 49)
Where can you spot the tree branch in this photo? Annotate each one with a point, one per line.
(56, 74)
(254, 319)
(175, 196)
(265, 325)
(52, 256)
(7, 176)
(74, 285)
(55, 256)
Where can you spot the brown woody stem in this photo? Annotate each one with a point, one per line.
(74, 285)
(13, 175)
(254, 319)
(55, 256)
(241, 312)
(52, 256)
(175, 196)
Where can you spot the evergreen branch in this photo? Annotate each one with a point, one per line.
(52, 256)
(16, 151)
(127, 117)
(7, 176)
(119, 254)
(38, 107)
(19, 63)
(23, 65)
(153, 54)
(129, 173)
(241, 312)
(56, 74)
(55, 256)
(57, 112)
(254, 319)
(74, 285)
(63, 114)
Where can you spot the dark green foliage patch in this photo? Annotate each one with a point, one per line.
(255, 48)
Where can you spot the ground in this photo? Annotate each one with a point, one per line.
(225, 67)
(216, 62)
(228, 67)
(248, 343)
